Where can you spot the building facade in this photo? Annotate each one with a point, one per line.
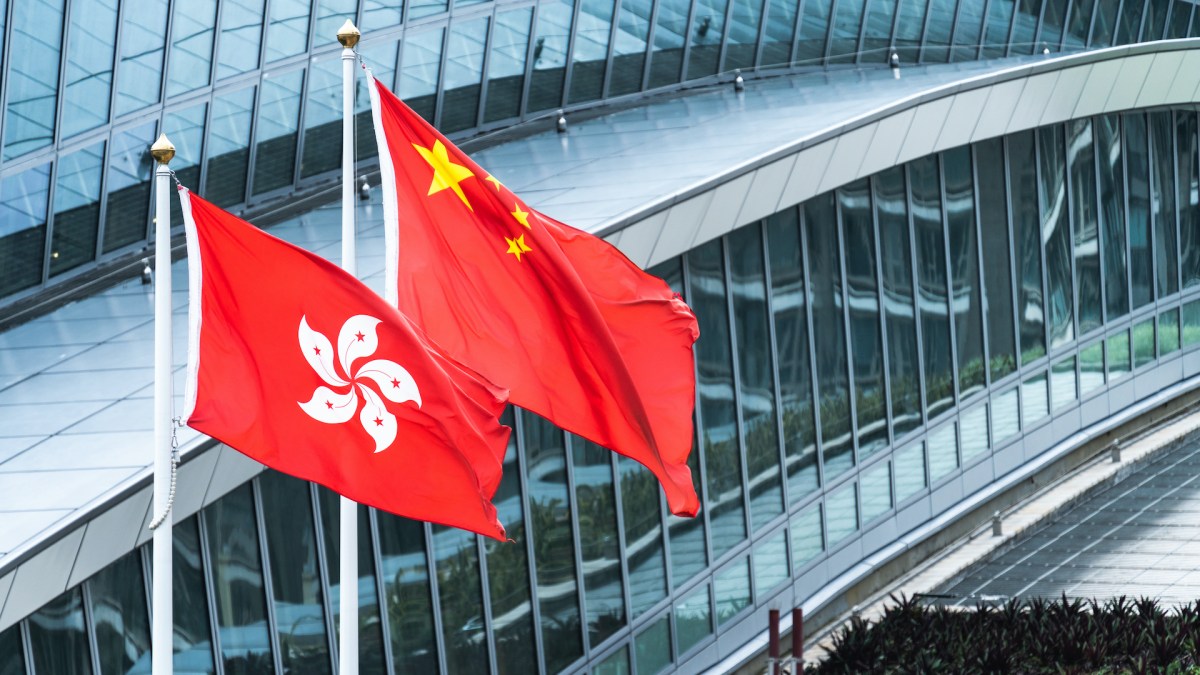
(902, 312)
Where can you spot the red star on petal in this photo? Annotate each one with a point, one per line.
(378, 422)
(359, 335)
(395, 383)
(317, 351)
(329, 404)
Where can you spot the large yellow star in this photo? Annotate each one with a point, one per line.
(521, 216)
(493, 180)
(517, 246)
(446, 174)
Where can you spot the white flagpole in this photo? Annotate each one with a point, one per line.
(348, 36)
(163, 611)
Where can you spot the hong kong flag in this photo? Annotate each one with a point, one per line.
(575, 330)
(299, 365)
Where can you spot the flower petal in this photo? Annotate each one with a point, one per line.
(394, 381)
(357, 339)
(376, 420)
(330, 407)
(319, 353)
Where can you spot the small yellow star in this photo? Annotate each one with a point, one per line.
(517, 246)
(495, 181)
(446, 174)
(521, 216)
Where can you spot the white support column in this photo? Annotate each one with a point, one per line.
(348, 36)
(163, 613)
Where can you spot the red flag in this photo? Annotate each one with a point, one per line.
(300, 366)
(577, 332)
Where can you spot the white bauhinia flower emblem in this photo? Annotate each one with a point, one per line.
(334, 406)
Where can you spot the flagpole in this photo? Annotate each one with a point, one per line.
(348, 36)
(162, 634)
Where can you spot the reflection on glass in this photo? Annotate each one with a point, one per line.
(1162, 201)
(1105, 23)
(629, 47)
(743, 34)
(12, 654)
(1053, 15)
(891, 210)
(617, 663)
(968, 32)
(1117, 352)
(599, 545)
(323, 118)
(708, 26)
(1025, 26)
(943, 452)
(119, 617)
(1035, 403)
(404, 570)
(726, 508)
(974, 424)
(1027, 240)
(331, 14)
(461, 597)
(1081, 159)
(1188, 174)
(964, 269)
(732, 587)
(295, 575)
(876, 491)
(1091, 368)
(932, 286)
(553, 545)
(1062, 383)
(1080, 24)
(847, 24)
(937, 31)
(287, 29)
(464, 73)
(1006, 416)
(192, 29)
(1155, 21)
(91, 43)
(1168, 332)
(910, 25)
(591, 50)
(185, 128)
(378, 14)
(997, 268)
(127, 213)
(1143, 342)
(23, 198)
(192, 632)
(1112, 215)
(653, 647)
(779, 33)
(814, 26)
(808, 539)
(32, 77)
(788, 302)
(276, 134)
(877, 30)
(670, 28)
(419, 73)
(693, 619)
(241, 30)
(550, 54)
(770, 565)
(506, 65)
(228, 148)
(238, 584)
(143, 38)
(381, 58)
(757, 385)
(1052, 190)
(58, 639)
(1181, 18)
(1190, 331)
(841, 513)
(1141, 263)
(643, 535)
(910, 471)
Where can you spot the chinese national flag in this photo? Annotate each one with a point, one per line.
(577, 332)
(300, 366)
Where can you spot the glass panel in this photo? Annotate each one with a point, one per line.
(847, 24)
(937, 32)
(1053, 15)
(553, 545)
(1118, 355)
(228, 148)
(1168, 332)
(829, 335)
(185, 128)
(119, 616)
(743, 34)
(629, 49)
(1081, 159)
(1155, 21)
(910, 471)
(653, 647)
(550, 54)
(1188, 167)
(1091, 368)
(461, 598)
(911, 26)
(707, 28)
(757, 383)
(964, 269)
(693, 621)
(420, 69)
(331, 14)
(788, 301)
(1006, 418)
(1062, 383)
(876, 491)
(616, 664)
(420, 8)
(506, 66)
(770, 565)
(1143, 342)
(974, 423)
(891, 209)
(238, 584)
(1022, 174)
(807, 538)
(643, 535)
(877, 40)
(932, 289)
(599, 545)
(1163, 202)
(591, 50)
(996, 30)
(276, 134)
(323, 118)
(23, 204)
(732, 587)
(968, 33)
(1080, 24)
(127, 213)
(1034, 402)
(91, 43)
(57, 637)
(1025, 26)
(666, 59)
(381, 57)
(12, 654)
(780, 32)
(295, 575)
(997, 266)
(380, 14)
(814, 26)
(370, 629)
(193, 634)
(241, 31)
(841, 513)
(1112, 215)
(287, 32)
(1106, 22)
(143, 34)
(943, 452)
(32, 77)
(464, 74)
(192, 30)
(1056, 233)
(1181, 17)
(1191, 323)
(726, 508)
(405, 573)
(862, 287)
(1141, 263)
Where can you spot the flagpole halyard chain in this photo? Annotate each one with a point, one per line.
(176, 423)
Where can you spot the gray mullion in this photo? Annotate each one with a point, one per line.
(1116, 27)
(206, 568)
(1066, 23)
(268, 585)
(736, 372)
(612, 49)
(1191, 20)
(699, 443)
(252, 150)
(847, 341)
(531, 566)
(530, 44)
(1037, 167)
(665, 536)
(833, 7)
(1012, 27)
(881, 298)
(984, 305)
(26, 646)
(49, 235)
(323, 572)
(619, 506)
(1138, 38)
(916, 298)
(435, 598)
(922, 44)
(687, 41)
(1128, 242)
(1098, 204)
(483, 72)
(763, 17)
(951, 315)
(60, 105)
(1087, 40)
(1041, 21)
(1175, 200)
(573, 516)
(102, 224)
(89, 625)
(202, 161)
(796, 31)
(211, 99)
(486, 591)
(439, 95)
(862, 33)
(650, 30)
(1152, 182)
(5, 64)
(148, 230)
(162, 80)
(305, 81)
(773, 352)
(818, 441)
(896, 25)
(954, 23)
(116, 62)
(1013, 287)
(724, 50)
(569, 56)
(1071, 222)
(311, 45)
(389, 659)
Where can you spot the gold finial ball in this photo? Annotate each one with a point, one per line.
(348, 35)
(162, 150)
